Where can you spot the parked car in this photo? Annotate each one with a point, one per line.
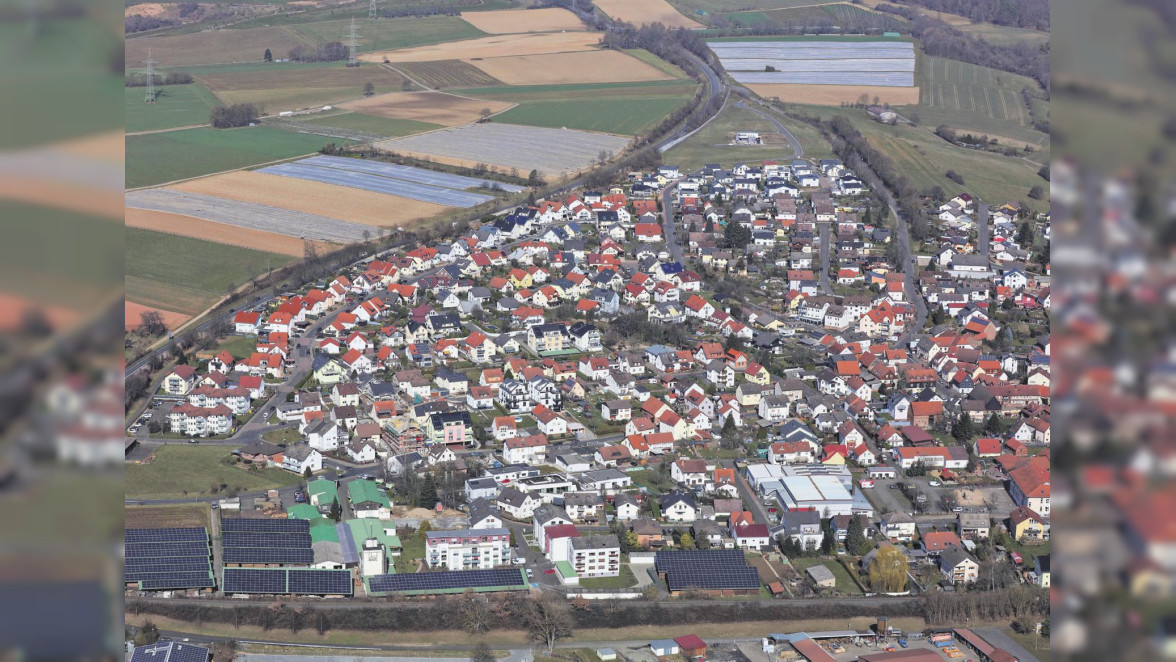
(934, 483)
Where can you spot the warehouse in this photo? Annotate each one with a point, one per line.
(824, 494)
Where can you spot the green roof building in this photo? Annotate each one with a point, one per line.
(303, 511)
(321, 492)
(384, 532)
(369, 500)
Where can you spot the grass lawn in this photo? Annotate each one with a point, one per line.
(623, 116)
(845, 583)
(388, 34)
(74, 508)
(623, 580)
(656, 62)
(1032, 643)
(711, 144)
(1029, 552)
(414, 548)
(386, 126)
(175, 105)
(282, 436)
(184, 274)
(239, 346)
(185, 470)
(158, 158)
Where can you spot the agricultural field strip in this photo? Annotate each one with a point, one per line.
(377, 184)
(408, 173)
(524, 147)
(248, 215)
(857, 63)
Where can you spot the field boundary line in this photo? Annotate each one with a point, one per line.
(175, 128)
(221, 172)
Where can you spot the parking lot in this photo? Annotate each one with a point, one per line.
(991, 498)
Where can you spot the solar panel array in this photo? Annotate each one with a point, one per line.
(168, 559)
(170, 651)
(287, 581)
(266, 541)
(886, 63)
(447, 580)
(725, 569)
(386, 183)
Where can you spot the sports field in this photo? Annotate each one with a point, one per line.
(185, 274)
(580, 67)
(446, 73)
(643, 12)
(293, 86)
(175, 105)
(213, 47)
(387, 34)
(432, 107)
(512, 21)
(157, 158)
(615, 115)
(494, 46)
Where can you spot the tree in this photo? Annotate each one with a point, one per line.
(307, 473)
(888, 570)
(238, 114)
(993, 425)
(336, 512)
(151, 323)
(485, 113)
(269, 56)
(476, 614)
(962, 429)
(548, 620)
(1025, 234)
(855, 537)
(1036, 193)
(829, 539)
(482, 653)
(369, 89)
(148, 634)
(686, 541)
(428, 496)
(534, 179)
(729, 437)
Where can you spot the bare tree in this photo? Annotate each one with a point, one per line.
(476, 614)
(151, 323)
(549, 620)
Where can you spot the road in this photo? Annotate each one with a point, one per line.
(823, 277)
(982, 242)
(670, 222)
(797, 149)
(715, 88)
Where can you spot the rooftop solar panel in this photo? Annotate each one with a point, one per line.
(166, 535)
(170, 651)
(717, 559)
(287, 581)
(159, 549)
(285, 555)
(320, 582)
(183, 564)
(248, 539)
(733, 579)
(178, 580)
(254, 580)
(265, 525)
(448, 580)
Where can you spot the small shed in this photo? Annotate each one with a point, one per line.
(567, 574)
(664, 647)
(691, 645)
(606, 654)
(822, 576)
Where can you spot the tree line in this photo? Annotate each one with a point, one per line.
(1020, 14)
(173, 78)
(137, 23)
(238, 114)
(332, 51)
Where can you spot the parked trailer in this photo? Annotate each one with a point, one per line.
(942, 636)
(943, 644)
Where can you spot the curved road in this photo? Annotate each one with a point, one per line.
(797, 149)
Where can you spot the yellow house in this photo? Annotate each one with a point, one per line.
(330, 372)
(834, 458)
(757, 374)
(1024, 524)
(520, 279)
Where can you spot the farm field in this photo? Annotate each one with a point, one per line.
(640, 12)
(292, 86)
(213, 47)
(493, 46)
(185, 274)
(433, 107)
(158, 158)
(712, 143)
(187, 470)
(835, 95)
(831, 62)
(853, 18)
(446, 73)
(221, 233)
(1001, 35)
(523, 93)
(343, 203)
(387, 34)
(249, 215)
(672, 70)
(551, 151)
(162, 517)
(583, 67)
(976, 98)
(175, 106)
(384, 126)
(610, 115)
(690, 8)
(132, 316)
(511, 21)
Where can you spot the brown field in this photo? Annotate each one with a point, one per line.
(435, 107)
(338, 202)
(15, 309)
(145, 9)
(212, 47)
(190, 226)
(62, 195)
(640, 12)
(833, 95)
(162, 517)
(495, 46)
(513, 21)
(132, 316)
(340, 76)
(581, 67)
(447, 73)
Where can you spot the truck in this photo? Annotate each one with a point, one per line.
(942, 644)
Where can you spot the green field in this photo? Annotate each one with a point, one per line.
(845, 583)
(392, 33)
(851, 18)
(622, 116)
(385, 126)
(690, 7)
(180, 470)
(657, 63)
(175, 105)
(521, 93)
(157, 158)
(710, 145)
(1002, 35)
(185, 274)
(296, 86)
(443, 74)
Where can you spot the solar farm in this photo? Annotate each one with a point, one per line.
(721, 572)
(168, 559)
(266, 542)
(453, 581)
(287, 581)
(551, 151)
(885, 63)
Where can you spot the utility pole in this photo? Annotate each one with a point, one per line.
(372, 10)
(351, 61)
(150, 98)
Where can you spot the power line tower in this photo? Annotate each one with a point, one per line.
(150, 98)
(372, 10)
(351, 61)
